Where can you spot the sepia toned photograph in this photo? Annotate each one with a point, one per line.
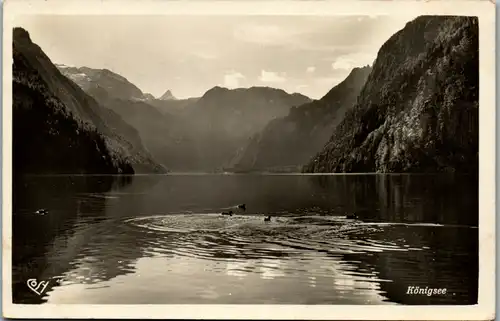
(227, 158)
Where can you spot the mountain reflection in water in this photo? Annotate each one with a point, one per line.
(161, 239)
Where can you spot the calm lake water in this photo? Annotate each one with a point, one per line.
(161, 240)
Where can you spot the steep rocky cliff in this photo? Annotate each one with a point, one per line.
(418, 111)
(289, 142)
(57, 128)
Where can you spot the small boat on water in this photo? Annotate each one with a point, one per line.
(242, 206)
(267, 219)
(230, 213)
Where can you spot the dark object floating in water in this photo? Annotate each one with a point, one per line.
(352, 216)
(243, 207)
(230, 213)
(267, 219)
(42, 211)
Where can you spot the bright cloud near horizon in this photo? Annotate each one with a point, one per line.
(191, 54)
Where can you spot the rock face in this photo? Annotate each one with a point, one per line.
(58, 128)
(289, 142)
(418, 111)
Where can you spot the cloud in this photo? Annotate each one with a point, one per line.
(293, 37)
(311, 69)
(348, 62)
(343, 63)
(232, 79)
(270, 76)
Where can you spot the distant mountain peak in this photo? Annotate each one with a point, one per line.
(215, 91)
(168, 96)
(114, 84)
(265, 90)
(109, 73)
(148, 96)
(219, 88)
(20, 33)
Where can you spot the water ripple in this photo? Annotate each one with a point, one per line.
(241, 237)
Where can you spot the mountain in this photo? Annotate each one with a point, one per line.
(196, 134)
(167, 96)
(175, 107)
(106, 85)
(201, 134)
(159, 131)
(291, 141)
(419, 110)
(114, 84)
(58, 128)
(223, 120)
(242, 112)
(148, 97)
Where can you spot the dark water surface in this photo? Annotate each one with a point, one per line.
(161, 240)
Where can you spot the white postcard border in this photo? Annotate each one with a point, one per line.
(484, 9)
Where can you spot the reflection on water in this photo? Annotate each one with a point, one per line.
(161, 239)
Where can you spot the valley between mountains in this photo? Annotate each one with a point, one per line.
(415, 109)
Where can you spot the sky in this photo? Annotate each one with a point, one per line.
(191, 54)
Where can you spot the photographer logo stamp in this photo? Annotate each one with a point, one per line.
(37, 287)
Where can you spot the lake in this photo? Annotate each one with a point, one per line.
(160, 239)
